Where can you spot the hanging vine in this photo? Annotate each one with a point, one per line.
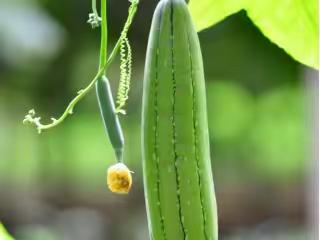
(95, 20)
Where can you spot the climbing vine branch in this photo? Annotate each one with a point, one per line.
(33, 119)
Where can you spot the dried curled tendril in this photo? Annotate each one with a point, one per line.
(125, 72)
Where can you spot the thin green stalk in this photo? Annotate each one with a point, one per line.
(104, 34)
(94, 7)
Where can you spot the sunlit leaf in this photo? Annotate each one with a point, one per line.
(4, 235)
(291, 24)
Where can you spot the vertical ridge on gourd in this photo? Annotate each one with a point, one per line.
(176, 158)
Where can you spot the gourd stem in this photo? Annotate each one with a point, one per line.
(104, 34)
(94, 7)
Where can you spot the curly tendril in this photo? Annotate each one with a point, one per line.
(125, 63)
(125, 74)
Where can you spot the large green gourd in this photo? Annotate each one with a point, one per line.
(178, 181)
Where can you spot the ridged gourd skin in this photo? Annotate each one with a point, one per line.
(178, 182)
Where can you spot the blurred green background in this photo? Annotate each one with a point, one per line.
(52, 186)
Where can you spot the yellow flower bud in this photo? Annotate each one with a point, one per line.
(119, 178)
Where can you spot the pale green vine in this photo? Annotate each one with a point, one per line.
(33, 119)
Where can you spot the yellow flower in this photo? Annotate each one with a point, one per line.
(119, 179)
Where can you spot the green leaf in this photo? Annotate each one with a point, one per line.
(291, 24)
(4, 235)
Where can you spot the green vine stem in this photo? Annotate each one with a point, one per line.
(31, 117)
(94, 7)
(104, 34)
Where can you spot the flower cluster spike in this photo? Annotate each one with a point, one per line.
(94, 20)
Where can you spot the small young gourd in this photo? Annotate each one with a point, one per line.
(109, 116)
